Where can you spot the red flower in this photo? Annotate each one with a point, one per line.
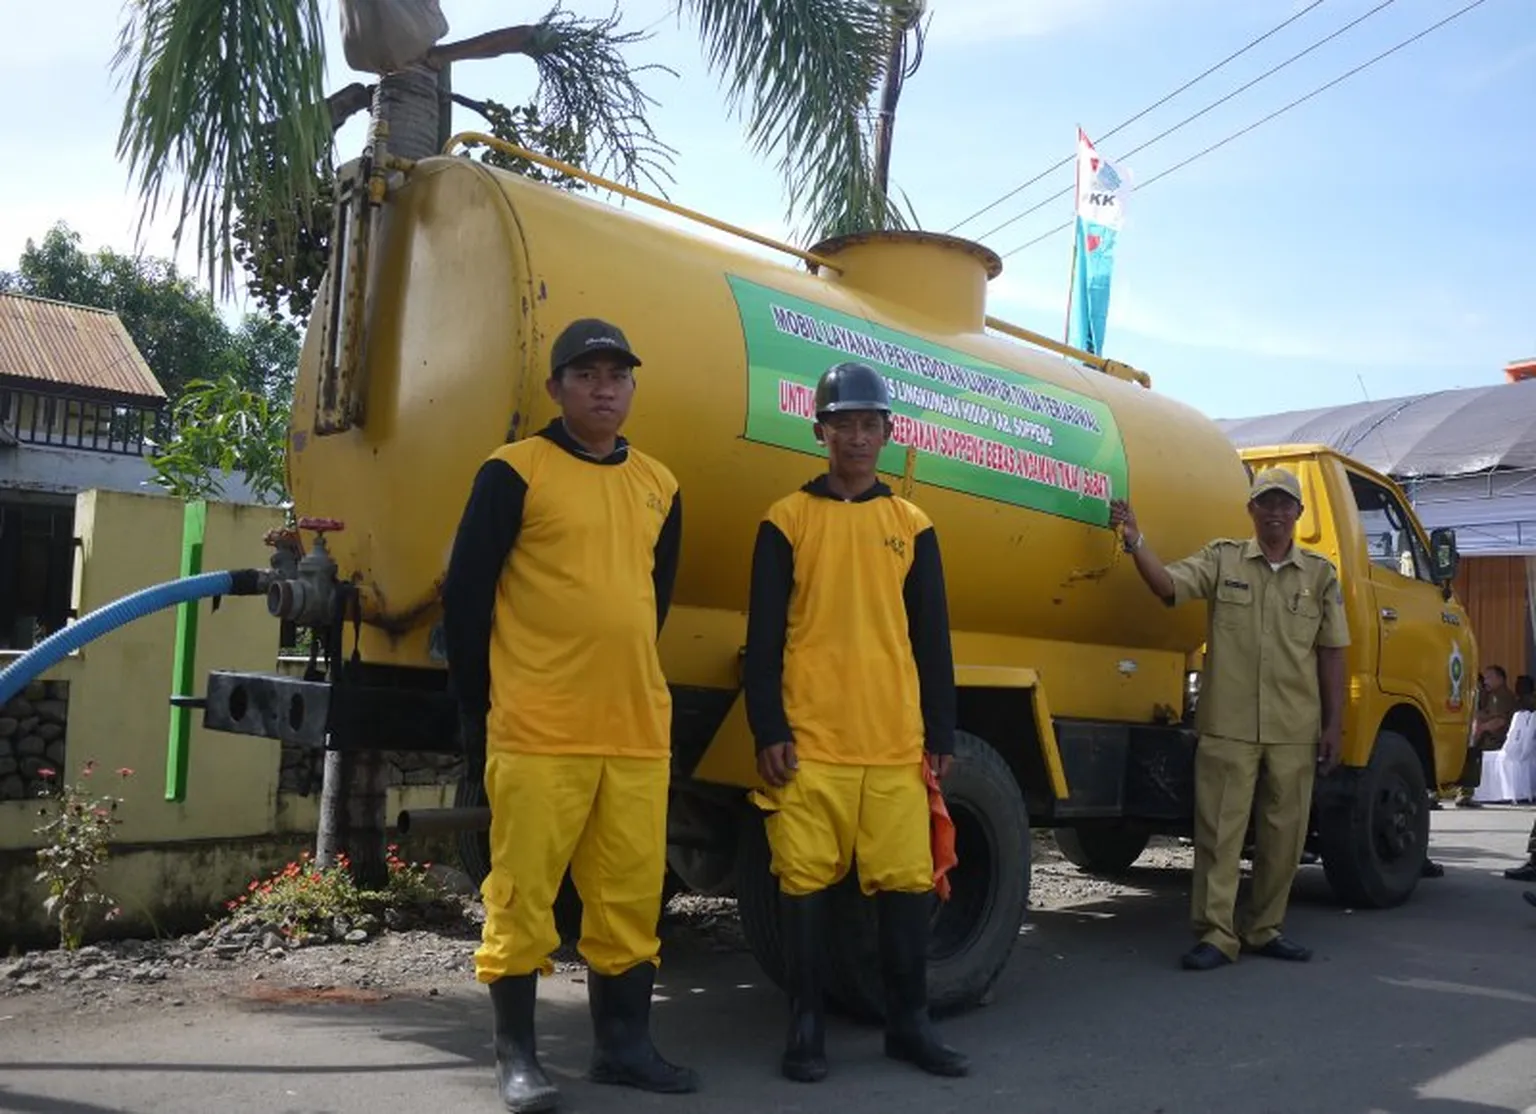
(45, 772)
(125, 771)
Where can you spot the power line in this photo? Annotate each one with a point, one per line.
(1127, 123)
(1278, 112)
(1195, 116)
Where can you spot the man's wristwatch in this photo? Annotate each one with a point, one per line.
(1132, 547)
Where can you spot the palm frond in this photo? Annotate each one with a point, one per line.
(586, 87)
(805, 71)
(219, 93)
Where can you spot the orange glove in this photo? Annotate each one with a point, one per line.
(942, 834)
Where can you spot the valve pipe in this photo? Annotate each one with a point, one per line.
(59, 645)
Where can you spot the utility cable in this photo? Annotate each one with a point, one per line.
(1278, 112)
(1127, 123)
(1195, 116)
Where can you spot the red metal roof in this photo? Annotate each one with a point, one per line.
(70, 347)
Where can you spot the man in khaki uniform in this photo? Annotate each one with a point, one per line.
(1270, 712)
(1496, 706)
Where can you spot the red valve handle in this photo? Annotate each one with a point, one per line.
(321, 525)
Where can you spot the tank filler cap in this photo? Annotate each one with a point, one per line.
(941, 277)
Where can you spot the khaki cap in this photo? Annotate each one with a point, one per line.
(1275, 479)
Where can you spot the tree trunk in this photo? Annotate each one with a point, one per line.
(355, 786)
(885, 124)
(352, 815)
(409, 100)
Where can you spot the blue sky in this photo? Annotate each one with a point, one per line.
(1375, 241)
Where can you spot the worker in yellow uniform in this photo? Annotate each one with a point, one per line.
(1270, 714)
(849, 680)
(558, 584)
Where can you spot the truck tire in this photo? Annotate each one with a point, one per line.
(974, 932)
(1374, 834)
(1102, 849)
(757, 897)
(475, 857)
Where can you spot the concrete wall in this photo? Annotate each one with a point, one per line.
(52, 469)
(178, 859)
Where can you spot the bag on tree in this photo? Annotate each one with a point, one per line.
(384, 36)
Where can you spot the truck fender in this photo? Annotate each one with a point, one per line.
(1021, 677)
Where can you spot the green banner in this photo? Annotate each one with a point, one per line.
(979, 428)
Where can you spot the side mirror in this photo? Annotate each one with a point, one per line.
(1443, 556)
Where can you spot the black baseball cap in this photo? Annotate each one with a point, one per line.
(586, 335)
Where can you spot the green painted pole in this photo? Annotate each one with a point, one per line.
(193, 524)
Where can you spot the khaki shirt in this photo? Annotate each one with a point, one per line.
(1501, 703)
(1260, 683)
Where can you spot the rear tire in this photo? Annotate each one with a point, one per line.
(974, 932)
(1374, 834)
(1104, 850)
(757, 898)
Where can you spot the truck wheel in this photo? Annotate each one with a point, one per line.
(1107, 850)
(974, 932)
(757, 897)
(475, 856)
(1374, 835)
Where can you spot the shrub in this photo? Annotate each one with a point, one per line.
(301, 898)
(76, 830)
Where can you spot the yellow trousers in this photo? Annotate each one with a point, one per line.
(830, 815)
(604, 818)
(1229, 775)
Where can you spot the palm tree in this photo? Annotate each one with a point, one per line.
(229, 95)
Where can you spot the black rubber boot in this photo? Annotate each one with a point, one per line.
(622, 1051)
(523, 1085)
(803, 921)
(909, 1033)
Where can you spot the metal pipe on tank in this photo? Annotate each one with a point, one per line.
(436, 821)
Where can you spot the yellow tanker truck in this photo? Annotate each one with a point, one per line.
(428, 347)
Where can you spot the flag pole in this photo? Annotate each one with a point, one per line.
(1077, 178)
(1066, 332)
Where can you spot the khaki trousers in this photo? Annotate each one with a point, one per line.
(1230, 776)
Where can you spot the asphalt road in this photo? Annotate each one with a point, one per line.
(1426, 1009)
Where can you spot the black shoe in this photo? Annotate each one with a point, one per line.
(909, 1032)
(803, 921)
(1523, 873)
(1283, 948)
(1529, 897)
(622, 1052)
(1204, 957)
(523, 1085)
(1468, 802)
(1431, 869)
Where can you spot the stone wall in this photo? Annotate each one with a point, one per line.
(303, 769)
(32, 730)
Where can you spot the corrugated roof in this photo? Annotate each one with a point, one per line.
(71, 347)
(1441, 433)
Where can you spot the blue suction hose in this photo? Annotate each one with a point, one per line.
(59, 645)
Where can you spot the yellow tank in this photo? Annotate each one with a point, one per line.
(1017, 450)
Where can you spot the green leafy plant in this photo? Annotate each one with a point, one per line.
(77, 828)
(302, 899)
(222, 426)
